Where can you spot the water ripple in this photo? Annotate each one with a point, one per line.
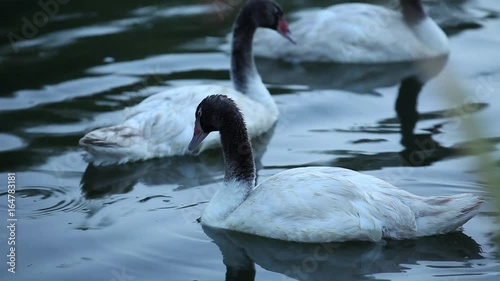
(40, 201)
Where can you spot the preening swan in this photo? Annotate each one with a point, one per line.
(359, 33)
(162, 124)
(314, 204)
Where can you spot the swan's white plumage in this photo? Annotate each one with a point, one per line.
(324, 204)
(355, 33)
(162, 125)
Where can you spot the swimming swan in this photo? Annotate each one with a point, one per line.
(359, 33)
(314, 204)
(162, 124)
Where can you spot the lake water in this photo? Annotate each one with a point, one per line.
(138, 221)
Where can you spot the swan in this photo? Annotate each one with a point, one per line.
(314, 204)
(359, 33)
(162, 124)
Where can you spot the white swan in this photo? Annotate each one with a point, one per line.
(162, 124)
(359, 33)
(315, 204)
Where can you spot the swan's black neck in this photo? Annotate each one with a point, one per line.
(242, 61)
(238, 155)
(240, 274)
(413, 11)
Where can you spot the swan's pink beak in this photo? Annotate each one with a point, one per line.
(198, 136)
(285, 31)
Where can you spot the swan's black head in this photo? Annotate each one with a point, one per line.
(268, 14)
(413, 10)
(210, 114)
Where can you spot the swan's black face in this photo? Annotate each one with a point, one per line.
(207, 120)
(268, 14)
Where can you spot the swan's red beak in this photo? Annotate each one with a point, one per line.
(198, 136)
(285, 31)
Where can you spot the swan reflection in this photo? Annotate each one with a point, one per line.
(365, 79)
(335, 261)
(185, 172)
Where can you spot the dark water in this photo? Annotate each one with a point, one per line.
(138, 221)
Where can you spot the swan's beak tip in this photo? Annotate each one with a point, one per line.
(285, 31)
(198, 136)
(291, 38)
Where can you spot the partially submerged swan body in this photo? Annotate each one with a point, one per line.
(162, 124)
(315, 204)
(359, 33)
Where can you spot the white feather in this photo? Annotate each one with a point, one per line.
(355, 33)
(163, 124)
(324, 204)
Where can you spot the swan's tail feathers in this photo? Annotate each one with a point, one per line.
(445, 214)
(114, 145)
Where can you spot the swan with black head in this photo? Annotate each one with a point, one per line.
(161, 125)
(359, 33)
(315, 204)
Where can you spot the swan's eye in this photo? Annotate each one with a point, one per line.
(277, 12)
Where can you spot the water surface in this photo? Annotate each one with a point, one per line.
(138, 221)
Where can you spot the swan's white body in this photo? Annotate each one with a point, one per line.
(162, 125)
(324, 204)
(355, 33)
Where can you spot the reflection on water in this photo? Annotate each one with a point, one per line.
(366, 79)
(338, 261)
(428, 153)
(184, 171)
(355, 78)
(80, 222)
(100, 181)
(40, 201)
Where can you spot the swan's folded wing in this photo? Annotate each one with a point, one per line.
(320, 205)
(153, 131)
(161, 125)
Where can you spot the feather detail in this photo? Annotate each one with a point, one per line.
(162, 125)
(325, 204)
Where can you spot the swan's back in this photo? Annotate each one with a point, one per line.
(320, 204)
(356, 33)
(162, 125)
(324, 204)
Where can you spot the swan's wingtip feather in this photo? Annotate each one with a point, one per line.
(89, 141)
(474, 206)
